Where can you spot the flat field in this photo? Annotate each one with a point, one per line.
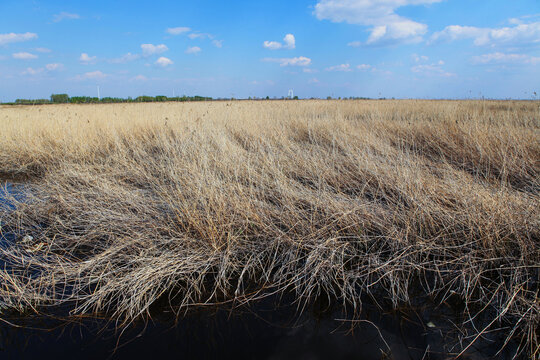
(210, 202)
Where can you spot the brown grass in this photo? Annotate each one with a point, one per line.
(209, 202)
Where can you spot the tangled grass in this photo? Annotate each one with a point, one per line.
(208, 202)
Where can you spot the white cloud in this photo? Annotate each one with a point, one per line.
(385, 25)
(178, 30)
(65, 15)
(54, 67)
(125, 58)
(218, 43)
(32, 71)
(296, 61)
(502, 58)
(518, 35)
(310, 71)
(150, 49)
(364, 67)
(24, 56)
(342, 67)
(13, 38)
(87, 59)
(193, 50)
(43, 50)
(289, 42)
(407, 31)
(272, 45)
(313, 81)
(163, 62)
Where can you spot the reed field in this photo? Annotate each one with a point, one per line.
(194, 204)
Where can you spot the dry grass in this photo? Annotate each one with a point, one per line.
(208, 202)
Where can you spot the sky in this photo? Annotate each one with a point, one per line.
(317, 48)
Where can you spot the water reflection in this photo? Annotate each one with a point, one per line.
(262, 331)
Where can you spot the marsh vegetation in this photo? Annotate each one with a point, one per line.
(191, 204)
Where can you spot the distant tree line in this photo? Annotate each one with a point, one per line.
(66, 99)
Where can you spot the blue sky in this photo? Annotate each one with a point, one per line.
(319, 48)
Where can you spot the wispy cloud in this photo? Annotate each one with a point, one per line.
(519, 35)
(24, 56)
(87, 59)
(419, 58)
(434, 69)
(364, 67)
(150, 49)
(140, 78)
(289, 42)
(164, 62)
(197, 35)
(125, 58)
(355, 44)
(342, 67)
(93, 75)
(32, 72)
(178, 30)
(192, 34)
(14, 38)
(65, 16)
(296, 61)
(193, 50)
(502, 58)
(43, 50)
(48, 68)
(54, 67)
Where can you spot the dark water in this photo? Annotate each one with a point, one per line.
(8, 196)
(264, 330)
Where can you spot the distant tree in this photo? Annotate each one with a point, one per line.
(295, 97)
(145, 98)
(268, 98)
(59, 98)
